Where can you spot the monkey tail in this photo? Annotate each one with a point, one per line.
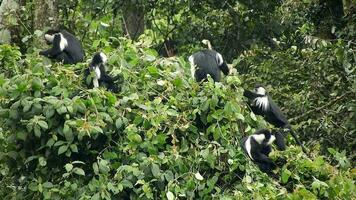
(297, 140)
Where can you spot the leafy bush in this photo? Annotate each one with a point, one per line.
(314, 83)
(163, 136)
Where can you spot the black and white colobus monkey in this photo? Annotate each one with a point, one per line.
(207, 62)
(66, 47)
(258, 146)
(101, 78)
(262, 104)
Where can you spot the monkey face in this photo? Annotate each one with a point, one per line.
(49, 36)
(260, 90)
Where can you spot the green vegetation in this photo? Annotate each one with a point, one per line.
(59, 140)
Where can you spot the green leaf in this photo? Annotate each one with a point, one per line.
(96, 168)
(133, 137)
(50, 142)
(178, 82)
(22, 135)
(172, 112)
(285, 175)
(198, 176)
(79, 171)
(68, 134)
(97, 129)
(68, 167)
(153, 70)
(118, 123)
(42, 161)
(170, 195)
(96, 196)
(43, 125)
(169, 175)
(37, 131)
(58, 143)
(61, 110)
(27, 107)
(47, 185)
(74, 148)
(253, 116)
(155, 170)
(33, 186)
(127, 184)
(62, 149)
(48, 111)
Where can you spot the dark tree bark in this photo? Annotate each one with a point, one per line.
(8, 20)
(45, 14)
(133, 22)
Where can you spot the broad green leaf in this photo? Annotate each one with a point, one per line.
(43, 125)
(68, 167)
(47, 185)
(61, 110)
(68, 133)
(37, 131)
(170, 195)
(155, 170)
(118, 123)
(285, 175)
(79, 171)
(198, 176)
(74, 148)
(62, 149)
(42, 161)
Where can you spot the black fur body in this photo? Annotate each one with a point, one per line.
(66, 47)
(100, 78)
(258, 146)
(262, 104)
(207, 62)
(271, 112)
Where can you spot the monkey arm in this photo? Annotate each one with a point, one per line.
(224, 68)
(262, 158)
(55, 50)
(251, 95)
(280, 141)
(107, 78)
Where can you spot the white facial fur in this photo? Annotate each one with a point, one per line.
(219, 59)
(260, 91)
(259, 138)
(192, 66)
(63, 43)
(104, 58)
(49, 38)
(207, 42)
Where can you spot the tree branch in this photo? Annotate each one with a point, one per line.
(322, 107)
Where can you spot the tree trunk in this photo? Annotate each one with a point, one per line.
(45, 14)
(8, 20)
(133, 22)
(348, 6)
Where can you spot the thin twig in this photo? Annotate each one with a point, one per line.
(320, 108)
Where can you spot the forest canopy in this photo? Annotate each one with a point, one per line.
(163, 135)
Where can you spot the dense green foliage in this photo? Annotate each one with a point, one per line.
(59, 140)
(69, 142)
